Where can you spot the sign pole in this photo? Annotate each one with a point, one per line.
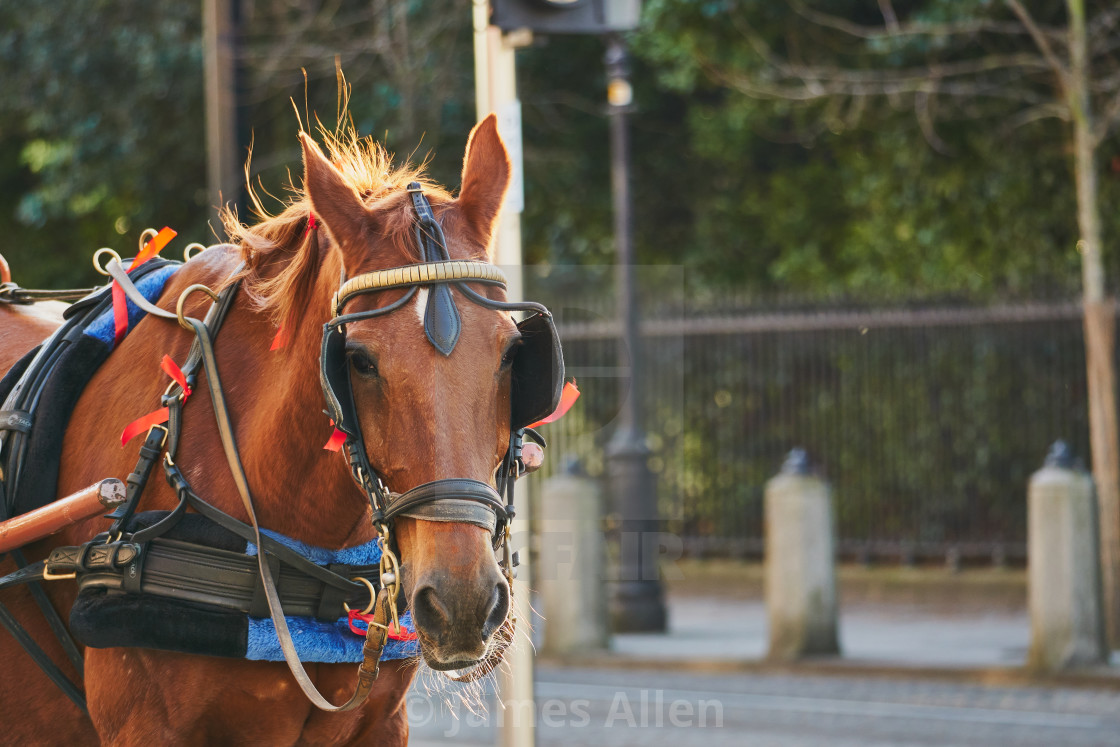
(496, 91)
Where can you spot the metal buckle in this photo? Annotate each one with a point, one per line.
(162, 427)
(390, 573)
(48, 576)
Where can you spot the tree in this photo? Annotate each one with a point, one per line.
(999, 64)
(99, 132)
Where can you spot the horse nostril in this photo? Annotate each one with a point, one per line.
(499, 608)
(428, 611)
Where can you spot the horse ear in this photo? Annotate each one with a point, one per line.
(334, 201)
(486, 175)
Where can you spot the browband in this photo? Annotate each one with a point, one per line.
(447, 271)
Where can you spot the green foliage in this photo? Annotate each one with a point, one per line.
(100, 133)
(845, 195)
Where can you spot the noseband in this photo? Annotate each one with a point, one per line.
(538, 377)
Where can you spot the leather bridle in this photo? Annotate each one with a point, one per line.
(536, 389)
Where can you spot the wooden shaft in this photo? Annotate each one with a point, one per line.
(54, 517)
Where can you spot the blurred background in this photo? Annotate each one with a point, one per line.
(860, 228)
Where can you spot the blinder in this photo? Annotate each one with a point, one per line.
(538, 372)
(334, 375)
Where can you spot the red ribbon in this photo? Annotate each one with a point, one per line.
(354, 615)
(281, 338)
(568, 398)
(120, 302)
(397, 634)
(402, 634)
(156, 417)
(311, 224)
(334, 443)
(171, 368)
(141, 425)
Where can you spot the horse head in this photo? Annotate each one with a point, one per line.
(429, 378)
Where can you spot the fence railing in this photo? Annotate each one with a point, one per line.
(927, 422)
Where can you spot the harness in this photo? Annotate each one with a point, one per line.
(138, 545)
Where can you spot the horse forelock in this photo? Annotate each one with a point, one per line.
(283, 258)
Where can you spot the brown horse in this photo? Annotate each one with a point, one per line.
(425, 416)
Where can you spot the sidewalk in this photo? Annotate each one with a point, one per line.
(879, 632)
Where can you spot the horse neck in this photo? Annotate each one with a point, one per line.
(304, 490)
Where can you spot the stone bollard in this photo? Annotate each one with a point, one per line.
(800, 566)
(571, 564)
(1067, 628)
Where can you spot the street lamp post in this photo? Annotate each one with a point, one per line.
(637, 601)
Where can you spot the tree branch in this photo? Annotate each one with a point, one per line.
(897, 30)
(1107, 119)
(1043, 44)
(924, 114)
(1045, 110)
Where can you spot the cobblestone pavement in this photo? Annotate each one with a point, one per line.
(633, 707)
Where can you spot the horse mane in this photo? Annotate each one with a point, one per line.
(281, 264)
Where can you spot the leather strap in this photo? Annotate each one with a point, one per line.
(286, 555)
(120, 275)
(42, 659)
(453, 499)
(25, 575)
(13, 294)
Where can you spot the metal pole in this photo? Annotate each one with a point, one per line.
(637, 599)
(219, 63)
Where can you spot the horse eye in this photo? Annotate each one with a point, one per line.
(510, 354)
(363, 364)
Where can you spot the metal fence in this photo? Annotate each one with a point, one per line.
(926, 421)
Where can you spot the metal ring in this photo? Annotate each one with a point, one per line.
(98, 253)
(147, 235)
(372, 595)
(187, 255)
(183, 297)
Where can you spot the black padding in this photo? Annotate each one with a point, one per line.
(100, 619)
(538, 372)
(8, 382)
(77, 365)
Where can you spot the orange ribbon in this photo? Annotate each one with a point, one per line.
(568, 398)
(281, 338)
